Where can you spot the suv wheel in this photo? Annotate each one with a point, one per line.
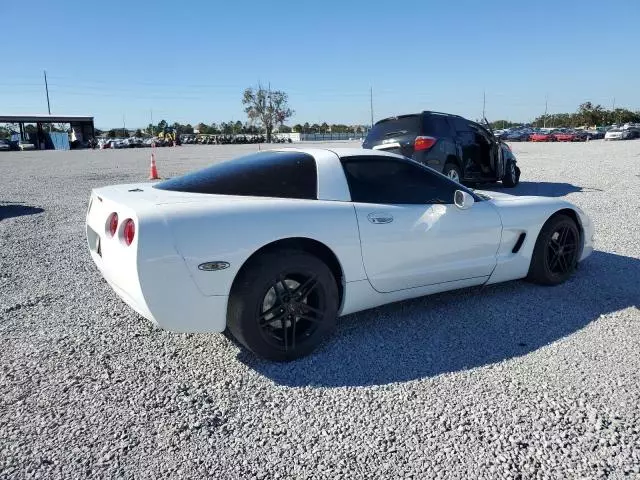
(511, 176)
(452, 171)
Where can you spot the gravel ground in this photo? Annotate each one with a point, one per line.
(512, 381)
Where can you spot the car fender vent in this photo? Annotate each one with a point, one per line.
(519, 243)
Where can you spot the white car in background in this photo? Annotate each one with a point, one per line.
(277, 244)
(621, 134)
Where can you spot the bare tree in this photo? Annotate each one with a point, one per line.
(266, 107)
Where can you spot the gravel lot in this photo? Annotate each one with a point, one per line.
(513, 380)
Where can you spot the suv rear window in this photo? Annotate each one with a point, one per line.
(397, 126)
(263, 174)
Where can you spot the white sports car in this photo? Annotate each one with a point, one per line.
(277, 244)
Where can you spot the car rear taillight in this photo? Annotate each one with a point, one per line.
(112, 224)
(424, 143)
(129, 231)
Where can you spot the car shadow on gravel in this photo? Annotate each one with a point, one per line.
(457, 331)
(17, 210)
(543, 189)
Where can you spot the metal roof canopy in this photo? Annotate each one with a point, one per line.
(44, 119)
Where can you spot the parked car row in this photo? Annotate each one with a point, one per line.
(529, 134)
(225, 139)
(133, 142)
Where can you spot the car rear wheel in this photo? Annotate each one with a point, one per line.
(511, 175)
(452, 171)
(283, 305)
(555, 254)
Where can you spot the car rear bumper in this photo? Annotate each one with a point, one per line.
(166, 296)
(150, 275)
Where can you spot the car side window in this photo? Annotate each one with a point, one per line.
(461, 125)
(374, 179)
(437, 125)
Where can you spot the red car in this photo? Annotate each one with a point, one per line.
(542, 137)
(566, 137)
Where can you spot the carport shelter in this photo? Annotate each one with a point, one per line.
(82, 129)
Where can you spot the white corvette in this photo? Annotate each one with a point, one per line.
(275, 245)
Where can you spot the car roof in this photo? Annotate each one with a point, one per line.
(317, 153)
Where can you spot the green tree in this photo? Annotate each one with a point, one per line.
(138, 133)
(267, 107)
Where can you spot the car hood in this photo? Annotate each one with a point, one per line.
(500, 199)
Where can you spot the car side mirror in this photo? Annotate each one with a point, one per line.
(463, 200)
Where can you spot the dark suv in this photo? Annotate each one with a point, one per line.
(463, 150)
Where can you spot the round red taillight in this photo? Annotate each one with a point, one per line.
(129, 231)
(113, 224)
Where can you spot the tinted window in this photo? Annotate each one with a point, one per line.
(380, 180)
(461, 125)
(264, 174)
(394, 127)
(437, 126)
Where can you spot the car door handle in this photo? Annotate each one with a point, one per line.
(379, 218)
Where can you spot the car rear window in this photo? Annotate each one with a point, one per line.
(264, 174)
(392, 127)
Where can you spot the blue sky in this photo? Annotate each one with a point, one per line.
(190, 61)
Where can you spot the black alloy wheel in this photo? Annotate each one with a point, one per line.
(555, 255)
(562, 250)
(291, 311)
(283, 304)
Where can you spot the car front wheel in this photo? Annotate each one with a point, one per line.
(555, 254)
(283, 305)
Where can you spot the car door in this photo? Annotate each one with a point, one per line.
(411, 233)
(495, 155)
(465, 139)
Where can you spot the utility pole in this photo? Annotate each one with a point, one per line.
(152, 122)
(613, 109)
(46, 87)
(484, 103)
(270, 114)
(371, 104)
(546, 102)
(124, 127)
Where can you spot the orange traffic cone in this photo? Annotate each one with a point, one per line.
(154, 170)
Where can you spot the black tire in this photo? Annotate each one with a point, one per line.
(511, 175)
(555, 254)
(299, 321)
(450, 168)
